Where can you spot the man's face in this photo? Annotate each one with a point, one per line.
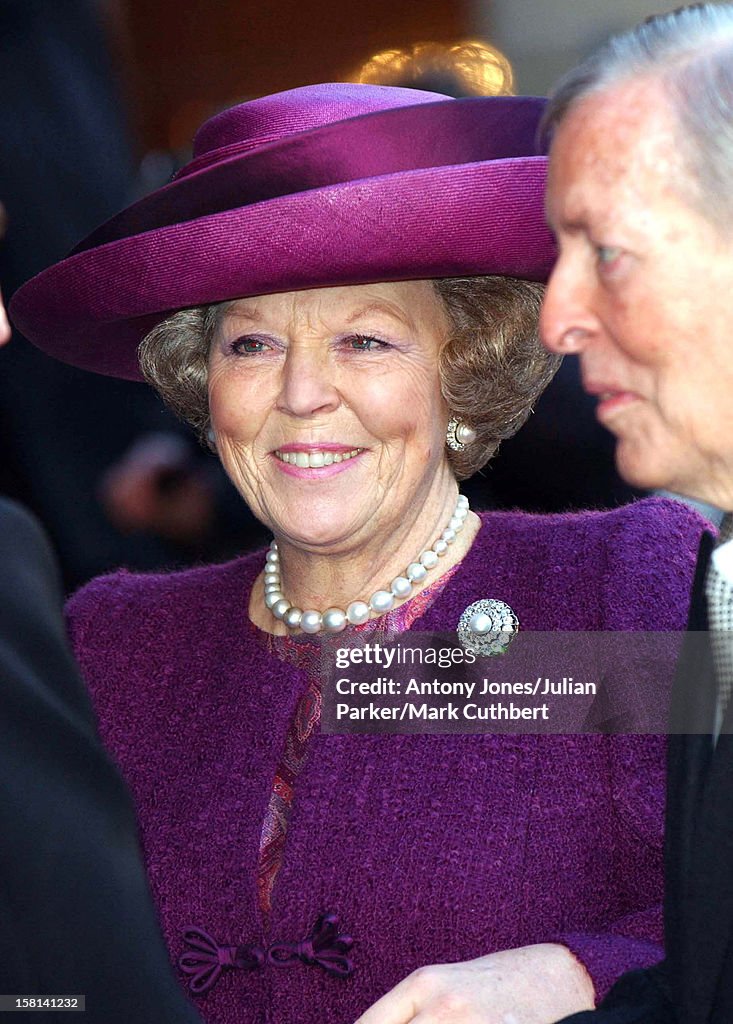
(643, 292)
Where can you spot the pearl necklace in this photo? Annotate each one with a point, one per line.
(333, 620)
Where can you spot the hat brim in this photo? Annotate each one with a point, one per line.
(485, 217)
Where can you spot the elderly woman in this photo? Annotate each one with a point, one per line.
(339, 292)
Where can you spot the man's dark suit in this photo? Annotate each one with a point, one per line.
(75, 911)
(694, 985)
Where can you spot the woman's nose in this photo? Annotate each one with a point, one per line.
(307, 385)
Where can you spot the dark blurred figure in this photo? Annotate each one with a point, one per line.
(167, 485)
(65, 166)
(76, 915)
(561, 459)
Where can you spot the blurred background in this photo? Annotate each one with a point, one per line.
(99, 100)
(183, 60)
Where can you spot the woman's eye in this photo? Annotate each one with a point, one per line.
(248, 346)
(365, 343)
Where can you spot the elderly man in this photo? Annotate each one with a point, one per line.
(641, 199)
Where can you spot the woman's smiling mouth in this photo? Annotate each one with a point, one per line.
(315, 457)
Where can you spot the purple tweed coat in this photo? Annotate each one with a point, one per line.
(428, 848)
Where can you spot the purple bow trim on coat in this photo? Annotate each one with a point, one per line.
(323, 947)
(206, 958)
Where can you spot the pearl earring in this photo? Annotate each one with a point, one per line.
(459, 434)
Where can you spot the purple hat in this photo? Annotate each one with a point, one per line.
(322, 185)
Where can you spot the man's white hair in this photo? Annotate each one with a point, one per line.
(690, 53)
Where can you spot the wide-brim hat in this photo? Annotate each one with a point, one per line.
(318, 186)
